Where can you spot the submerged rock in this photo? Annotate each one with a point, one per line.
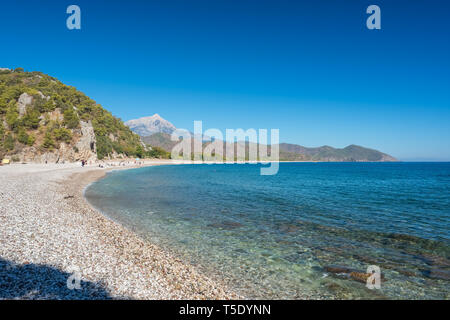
(360, 276)
(406, 272)
(289, 228)
(350, 273)
(228, 225)
(338, 269)
(439, 274)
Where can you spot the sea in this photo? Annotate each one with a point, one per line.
(309, 232)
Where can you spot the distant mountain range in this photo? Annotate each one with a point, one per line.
(155, 131)
(326, 153)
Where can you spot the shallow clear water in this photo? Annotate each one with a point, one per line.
(277, 236)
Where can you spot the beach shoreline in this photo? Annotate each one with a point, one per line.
(47, 226)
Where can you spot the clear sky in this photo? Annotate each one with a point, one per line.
(310, 68)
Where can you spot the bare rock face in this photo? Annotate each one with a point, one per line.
(84, 149)
(56, 115)
(112, 137)
(24, 101)
(87, 144)
(33, 155)
(28, 154)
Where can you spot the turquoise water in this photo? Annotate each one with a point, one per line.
(277, 236)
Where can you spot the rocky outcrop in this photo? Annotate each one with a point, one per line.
(112, 137)
(85, 148)
(24, 101)
(87, 144)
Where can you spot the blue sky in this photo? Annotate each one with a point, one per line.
(310, 68)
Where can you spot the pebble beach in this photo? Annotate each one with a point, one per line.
(54, 245)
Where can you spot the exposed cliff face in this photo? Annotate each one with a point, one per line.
(87, 143)
(43, 120)
(82, 148)
(25, 100)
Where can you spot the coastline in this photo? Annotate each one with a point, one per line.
(48, 226)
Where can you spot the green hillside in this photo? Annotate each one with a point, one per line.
(161, 140)
(41, 115)
(326, 153)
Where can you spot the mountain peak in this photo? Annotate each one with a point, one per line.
(147, 126)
